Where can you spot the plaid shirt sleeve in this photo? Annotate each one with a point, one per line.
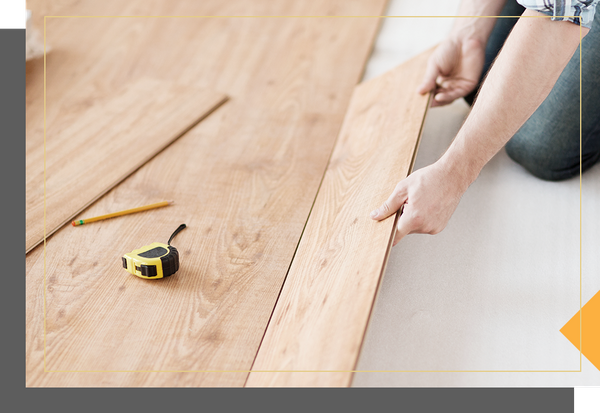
(568, 10)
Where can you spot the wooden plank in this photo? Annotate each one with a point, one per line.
(322, 313)
(243, 180)
(94, 143)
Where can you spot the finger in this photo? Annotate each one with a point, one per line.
(431, 74)
(458, 87)
(444, 98)
(403, 228)
(396, 239)
(440, 89)
(392, 204)
(450, 90)
(440, 98)
(437, 101)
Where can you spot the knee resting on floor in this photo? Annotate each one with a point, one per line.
(545, 157)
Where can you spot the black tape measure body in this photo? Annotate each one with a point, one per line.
(153, 261)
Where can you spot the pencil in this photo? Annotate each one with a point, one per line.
(118, 214)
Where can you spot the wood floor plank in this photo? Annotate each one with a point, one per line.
(322, 313)
(93, 144)
(243, 180)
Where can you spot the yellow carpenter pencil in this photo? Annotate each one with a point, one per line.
(118, 214)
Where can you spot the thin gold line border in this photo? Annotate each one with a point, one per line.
(331, 371)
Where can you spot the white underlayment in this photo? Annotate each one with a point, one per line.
(493, 289)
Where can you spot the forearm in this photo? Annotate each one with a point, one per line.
(532, 59)
(523, 75)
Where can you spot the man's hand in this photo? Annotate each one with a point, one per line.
(453, 70)
(522, 76)
(429, 195)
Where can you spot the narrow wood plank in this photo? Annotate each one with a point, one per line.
(322, 313)
(243, 180)
(94, 143)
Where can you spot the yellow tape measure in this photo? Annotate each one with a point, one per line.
(154, 261)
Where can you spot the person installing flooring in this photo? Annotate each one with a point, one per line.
(522, 78)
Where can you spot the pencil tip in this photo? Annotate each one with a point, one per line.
(171, 202)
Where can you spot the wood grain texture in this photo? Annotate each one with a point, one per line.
(322, 314)
(94, 143)
(243, 180)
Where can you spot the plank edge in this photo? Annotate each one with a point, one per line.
(224, 98)
(389, 246)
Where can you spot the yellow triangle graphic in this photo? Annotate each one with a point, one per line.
(590, 330)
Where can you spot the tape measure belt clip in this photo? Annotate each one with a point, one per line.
(147, 270)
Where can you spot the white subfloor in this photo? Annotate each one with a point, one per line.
(493, 289)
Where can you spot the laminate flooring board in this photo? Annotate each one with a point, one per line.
(243, 180)
(92, 145)
(110, 54)
(322, 313)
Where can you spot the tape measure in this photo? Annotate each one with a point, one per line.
(154, 261)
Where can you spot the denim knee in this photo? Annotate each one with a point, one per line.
(544, 158)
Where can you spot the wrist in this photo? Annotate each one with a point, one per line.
(477, 28)
(463, 168)
(480, 25)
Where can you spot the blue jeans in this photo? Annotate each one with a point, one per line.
(547, 145)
